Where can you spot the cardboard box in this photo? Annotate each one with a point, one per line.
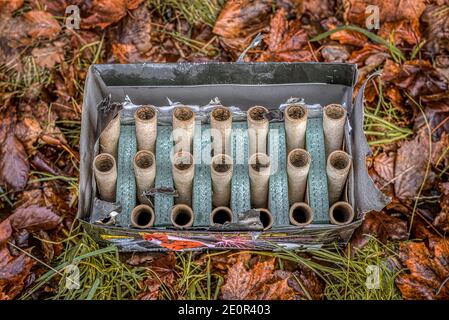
(238, 85)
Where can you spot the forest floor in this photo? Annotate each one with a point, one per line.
(43, 66)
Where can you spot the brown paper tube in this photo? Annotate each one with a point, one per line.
(298, 165)
(295, 117)
(183, 170)
(221, 125)
(257, 130)
(109, 137)
(105, 171)
(183, 126)
(146, 127)
(300, 214)
(259, 174)
(266, 218)
(182, 216)
(338, 166)
(341, 213)
(220, 215)
(221, 175)
(334, 117)
(142, 216)
(145, 171)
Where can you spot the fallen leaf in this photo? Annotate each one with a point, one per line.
(13, 273)
(418, 77)
(258, 282)
(386, 228)
(102, 13)
(437, 115)
(41, 24)
(134, 38)
(427, 273)
(28, 130)
(240, 20)
(10, 5)
(287, 40)
(306, 284)
(14, 167)
(5, 231)
(402, 32)
(442, 219)
(384, 165)
(410, 167)
(335, 53)
(48, 57)
(151, 289)
(34, 218)
(393, 10)
(436, 20)
(319, 9)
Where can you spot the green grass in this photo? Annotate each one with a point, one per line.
(346, 275)
(395, 52)
(194, 11)
(103, 276)
(101, 273)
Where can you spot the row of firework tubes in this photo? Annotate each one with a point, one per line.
(183, 169)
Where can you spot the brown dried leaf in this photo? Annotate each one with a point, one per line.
(287, 41)
(393, 10)
(436, 19)
(410, 166)
(41, 24)
(404, 32)
(384, 226)
(48, 57)
(240, 20)
(427, 270)
(418, 77)
(259, 282)
(10, 5)
(13, 272)
(437, 114)
(384, 165)
(102, 13)
(34, 218)
(335, 53)
(349, 37)
(442, 219)
(28, 131)
(14, 167)
(5, 231)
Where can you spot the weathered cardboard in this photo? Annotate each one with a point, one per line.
(235, 84)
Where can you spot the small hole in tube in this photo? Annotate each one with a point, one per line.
(182, 217)
(221, 114)
(265, 218)
(339, 160)
(145, 113)
(335, 111)
(143, 217)
(104, 163)
(296, 112)
(300, 214)
(257, 113)
(183, 114)
(299, 158)
(222, 216)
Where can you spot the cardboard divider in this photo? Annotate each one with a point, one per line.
(240, 184)
(126, 183)
(163, 203)
(317, 179)
(202, 184)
